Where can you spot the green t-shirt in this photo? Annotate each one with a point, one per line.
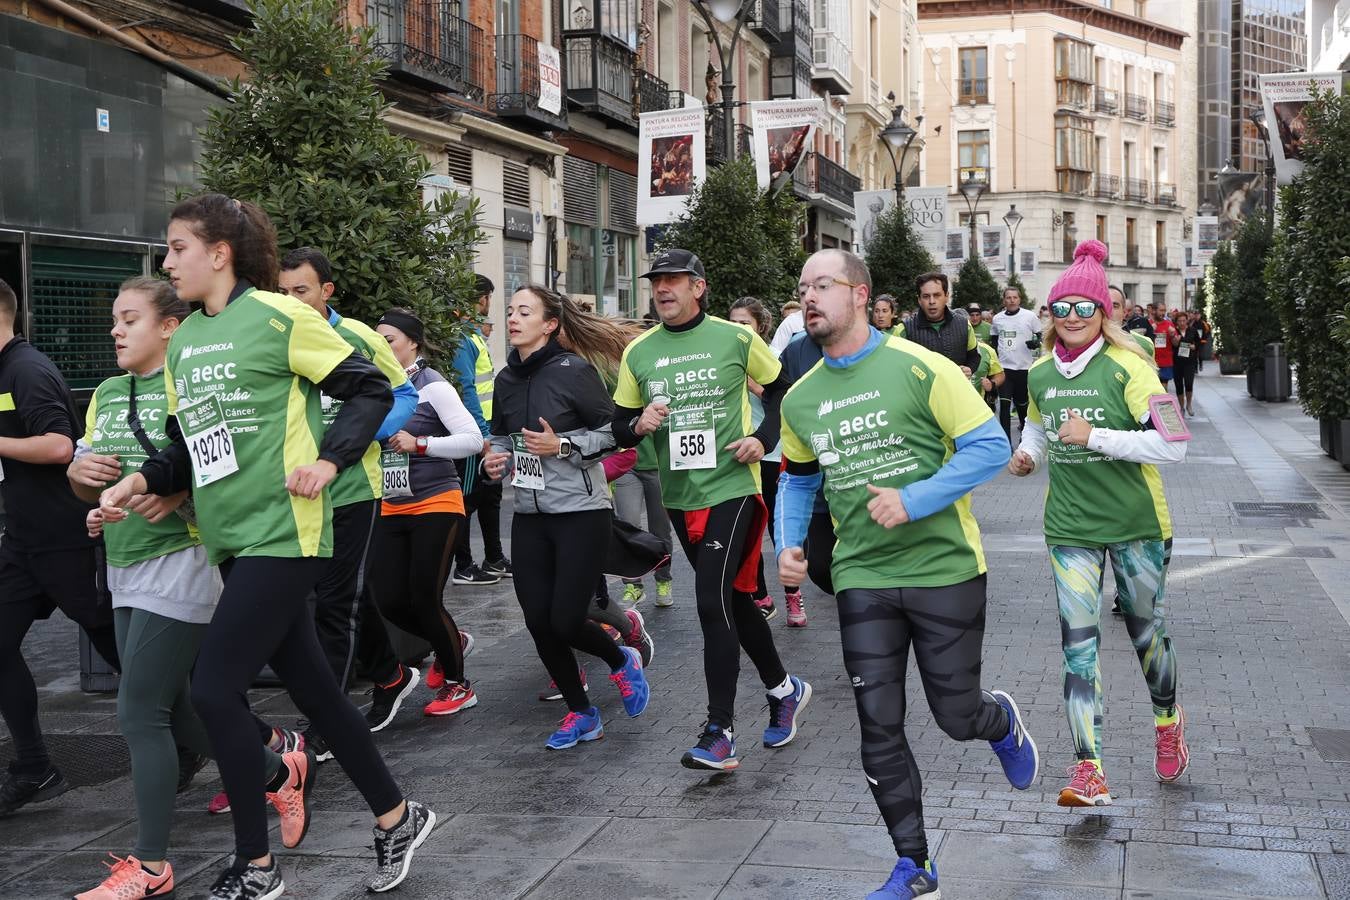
(1094, 500)
(982, 332)
(989, 367)
(261, 357)
(363, 481)
(133, 539)
(889, 420)
(702, 374)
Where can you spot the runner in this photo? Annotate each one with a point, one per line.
(634, 492)
(1015, 332)
(47, 561)
(551, 427)
(1186, 359)
(422, 511)
(243, 379)
(164, 591)
(988, 376)
(342, 596)
(1118, 304)
(901, 441)
(1100, 417)
(694, 371)
(1164, 339)
(798, 359)
(979, 323)
(884, 317)
(938, 327)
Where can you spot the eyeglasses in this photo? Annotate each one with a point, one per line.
(1086, 309)
(822, 284)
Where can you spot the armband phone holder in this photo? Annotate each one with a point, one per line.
(1165, 413)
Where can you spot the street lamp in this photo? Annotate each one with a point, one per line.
(726, 11)
(972, 188)
(1258, 118)
(897, 137)
(1012, 219)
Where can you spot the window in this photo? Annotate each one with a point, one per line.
(1101, 162)
(1102, 229)
(973, 74)
(1160, 244)
(667, 45)
(972, 151)
(1074, 148)
(1074, 69)
(1131, 242)
(1070, 236)
(619, 20)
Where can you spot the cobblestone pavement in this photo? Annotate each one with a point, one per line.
(1258, 607)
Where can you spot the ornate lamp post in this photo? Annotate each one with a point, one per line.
(896, 137)
(972, 189)
(726, 12)
(1012, 218)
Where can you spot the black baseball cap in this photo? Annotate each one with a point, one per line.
(674, 262)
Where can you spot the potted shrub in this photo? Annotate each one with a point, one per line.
(1218, 278)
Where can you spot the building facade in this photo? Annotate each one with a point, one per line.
(1328, 35)
(888, 63)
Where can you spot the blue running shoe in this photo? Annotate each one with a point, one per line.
(632, 683)
(786, 714)
(575, 728)
(908, 881)
(716, 749)
(1017, 751)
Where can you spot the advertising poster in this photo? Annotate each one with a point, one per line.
(868, 206)
(955, 250)
(671, 145)
(1028, 262)
(994, 248)
(1190, 265)
(1206, 238)
(550, 79)
(928, 211)
(1284, 96)
(782, 135)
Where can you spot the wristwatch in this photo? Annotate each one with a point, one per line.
(564, 447)
(422, 446)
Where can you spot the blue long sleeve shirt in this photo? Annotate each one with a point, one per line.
(405, 398)
(465, 364)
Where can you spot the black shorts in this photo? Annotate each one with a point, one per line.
(55, 579)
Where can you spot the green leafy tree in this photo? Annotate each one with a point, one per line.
(974, 284)
(1255, 322)
(1218, 285)
(747, 238)
(896, 256)
(305, 139)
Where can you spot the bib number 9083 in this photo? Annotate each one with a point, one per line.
(394, 466)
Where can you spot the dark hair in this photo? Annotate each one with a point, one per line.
(311, 256)
(889, 300)
(932, 276)
(1009, 287)
(167, 303)
(855, 270)
(9, 304)
(408, 322)
(763, 318)
(243, 225)
(599, 340)
(1119, 290)
(482, 285)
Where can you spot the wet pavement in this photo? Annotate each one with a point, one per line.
(1258, 609)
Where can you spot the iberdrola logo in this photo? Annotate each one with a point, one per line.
(662, 362)
(826, 407)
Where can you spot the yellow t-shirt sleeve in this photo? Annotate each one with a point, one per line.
(956, 408)
(971, 338)
(995, 367)
(380, 354)
(315, 349)
(1142, 383)
(627, 392)
(761, 364)
(794, 448)
(91, 417)
(170, 392)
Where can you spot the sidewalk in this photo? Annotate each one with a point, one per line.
(1259, 611)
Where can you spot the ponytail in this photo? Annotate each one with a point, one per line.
(242, 224)
(597, 339)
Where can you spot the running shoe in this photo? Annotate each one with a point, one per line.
(466, 643)
(1086, 787)
(20, 789)
(450, 699)
(786, 714)
(387, 698)
(575, 728)
(314, 741)
(632, 594)
(475, 575)
(908, 881)
(292, 801)
(665, 593)
(435, 675)
(638, 638)
(129, 880)
(1015, 750)
(716, 749)
(632, 683)
(796, 610)
(765, 606)
(189, 764)
(498, 567)
(287, 741)
(219, 805)
(553, 692)
(1171, 757)
(245, 881)
(394, 848)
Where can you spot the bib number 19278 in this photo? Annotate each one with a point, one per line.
(693, 450)
(210, 445)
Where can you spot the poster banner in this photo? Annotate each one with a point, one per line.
(783, 131)
(955, 250)
(927, 208)
(550, 79)
(1190, 264)
(1284, 96)
(1028, 262)
(671, 145)
(1206, 238)
(868, 206)
(994, 248)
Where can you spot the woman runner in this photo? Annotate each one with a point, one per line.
(1186, 359)
(884, 316)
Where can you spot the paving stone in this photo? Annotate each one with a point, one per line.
(826, 846)
(1009, 890)
(67, 874)
(998, 858)
(1246, 873)
(699, 840)
(510, 837)
(634, 880)
(777, 882)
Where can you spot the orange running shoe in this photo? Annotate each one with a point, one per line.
(292, 801)
(129, 880)
(1086, 787)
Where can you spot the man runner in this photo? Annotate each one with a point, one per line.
(684, 383)
(901, 439)
(1015, 332)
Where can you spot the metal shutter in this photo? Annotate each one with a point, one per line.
(581, 191)
(460, 160)
(622, 211)
(71, 302)
(516, 184)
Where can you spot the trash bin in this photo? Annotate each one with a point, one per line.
(1279, 384)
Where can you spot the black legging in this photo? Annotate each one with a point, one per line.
(945, 625)
(263, 618)
(1013, 392)
(409, 569)
(1185, 377)
(559, 558)
(729, 617)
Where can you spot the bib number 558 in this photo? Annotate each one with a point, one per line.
(692, 445)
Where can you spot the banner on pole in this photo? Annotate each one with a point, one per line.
(1190, 265)
(955, 250)
(994, 247)
(927, 209)
(782, 132)
(868, 206)
(550, 79)
(1028, 261)
(1206, 238)
(1284, 96)
(671, 145)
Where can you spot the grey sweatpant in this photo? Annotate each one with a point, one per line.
(632, 491)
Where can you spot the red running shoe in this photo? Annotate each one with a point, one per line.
(128, 880)
(219, 805)
(1171, 756)
(1086, 787)
(435, 675)
(450, 699)
(292, 801)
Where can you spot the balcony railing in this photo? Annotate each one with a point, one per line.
(1165, 194)
(1132, 255)
(1136, 107)
(1164, 113)
(426, 43)
(765, 19)
(973, 90)
(1160, 258)
(819, 175)
(600, 79)
(1107, 187)
(653, 93)
(518, 87)
(1108, 101)
(831, 61)
(1136, 189)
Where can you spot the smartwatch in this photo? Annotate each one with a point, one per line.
(564, 447)
(422, 446)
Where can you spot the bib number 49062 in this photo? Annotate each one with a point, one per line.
(210, 445)
(693, 450)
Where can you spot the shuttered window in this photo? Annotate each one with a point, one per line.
(516, 184)
(581, 191)
(622, 207)
(460, 160)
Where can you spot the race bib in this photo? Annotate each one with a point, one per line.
(529, 467)
(1160, 340)
(1006, 340)
(1183, 350)
(693, 450)
(208, 439)
(394, 465)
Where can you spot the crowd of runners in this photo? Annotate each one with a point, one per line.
(269, 482)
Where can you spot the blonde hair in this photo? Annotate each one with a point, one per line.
(1114, 334)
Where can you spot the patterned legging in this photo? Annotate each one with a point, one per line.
(1140, 569)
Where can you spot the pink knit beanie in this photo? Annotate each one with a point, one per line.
(1085, 277)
